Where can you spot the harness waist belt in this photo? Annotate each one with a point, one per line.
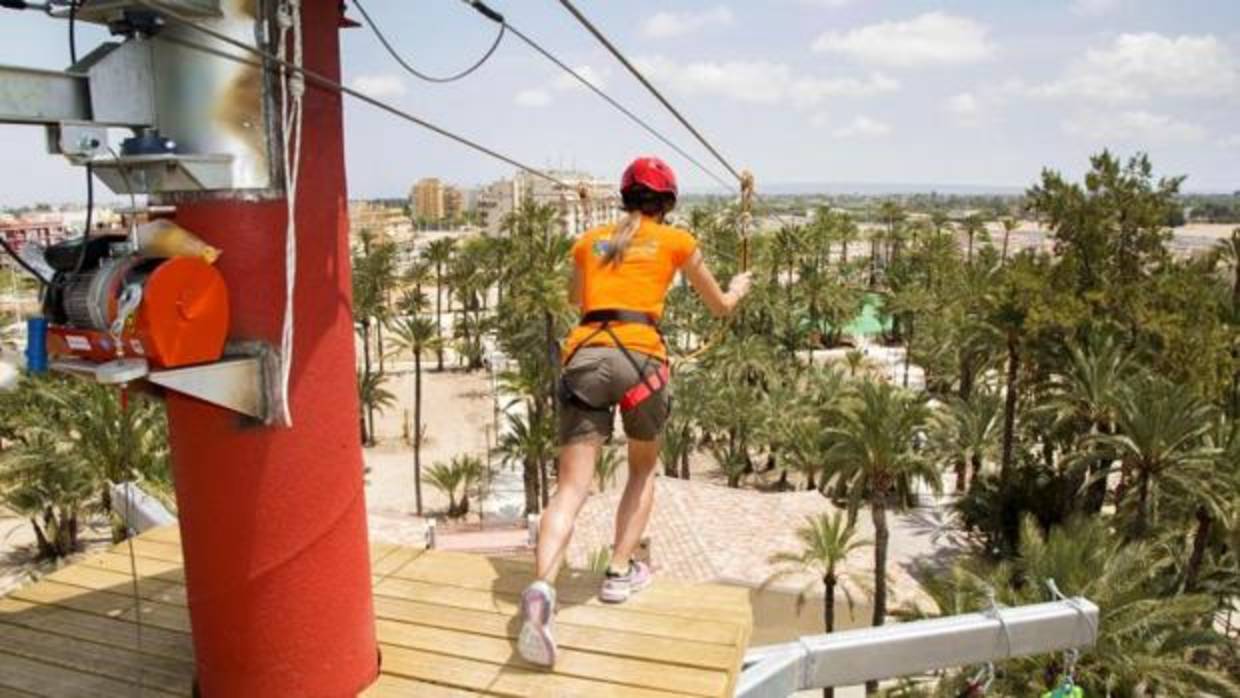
(609, 315)
(643, 390)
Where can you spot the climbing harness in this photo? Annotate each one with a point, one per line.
(644, 389)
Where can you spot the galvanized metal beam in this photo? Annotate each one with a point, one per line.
(32, 96)
(853, 657)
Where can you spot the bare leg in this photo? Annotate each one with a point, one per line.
(634, 511)
(571, 489)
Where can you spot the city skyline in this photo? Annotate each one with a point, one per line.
(960, 93)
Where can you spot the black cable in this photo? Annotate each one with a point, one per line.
(633, 117)
(642, 79)
(24, 264)
(327, 83)
(90, 170)
(374, 27)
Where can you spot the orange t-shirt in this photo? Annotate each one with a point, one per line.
(639, 282)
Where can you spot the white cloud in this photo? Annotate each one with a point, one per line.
(568, 82)
(862, 127)
(532, 98)
(379, 86)
(963, 104)
(760, 82)
(1232, 141)
(668, 25)
(827, 3)
(1133, 126)
(1139, 67)
(931, 38)
(819, 120)
(1095, 8)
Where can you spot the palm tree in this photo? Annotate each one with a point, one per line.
(461, 472)
(966, 433)
(872, 454)
(1161, 430)
(1087, 394)
(416, 335)
(373, 397)
(1009, 224)
(439, 253)
(973, 226)
(826, 541)
(1229, 254)
(606, 467)
(529, 442)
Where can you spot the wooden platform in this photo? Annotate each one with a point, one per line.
(445, 620)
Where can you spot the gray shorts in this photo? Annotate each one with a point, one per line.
(600, 376)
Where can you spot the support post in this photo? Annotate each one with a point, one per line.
(273, 520)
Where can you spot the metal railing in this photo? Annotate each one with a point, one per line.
(853, 657)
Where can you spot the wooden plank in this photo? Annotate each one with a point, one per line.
(88, 626)
(397, 560)
(500, 679)
(91, 576)
(120, 563)
(162, 673)
(23, 674)
(597, 615)
(396, 687)
(103, 603)
(570, 662)
(170, 551)
(581, 637)
(664, 597)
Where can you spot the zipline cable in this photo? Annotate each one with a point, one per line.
(653, 90)
(329, 84)
(374, 28)
(617, 105)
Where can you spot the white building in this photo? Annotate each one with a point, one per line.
(602, 206)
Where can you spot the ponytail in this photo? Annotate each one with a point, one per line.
(638, 201)
(622, 237)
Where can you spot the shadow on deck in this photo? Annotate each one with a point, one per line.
(446, 623)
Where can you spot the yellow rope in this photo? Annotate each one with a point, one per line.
(744, 219)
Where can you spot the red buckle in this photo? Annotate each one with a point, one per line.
(640, 392)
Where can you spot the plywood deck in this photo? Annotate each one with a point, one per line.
(446, 624)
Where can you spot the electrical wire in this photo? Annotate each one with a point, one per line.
(90, 170)
(653, 90)
(327, 83)
(620, 107)
(374, 27)
(4, 243)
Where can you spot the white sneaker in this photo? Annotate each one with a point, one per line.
(535, 642)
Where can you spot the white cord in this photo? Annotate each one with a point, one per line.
(294, 89)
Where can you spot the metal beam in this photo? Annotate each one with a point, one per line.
(853, 657)
(31, 96)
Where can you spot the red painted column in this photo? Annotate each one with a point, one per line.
(273, 520)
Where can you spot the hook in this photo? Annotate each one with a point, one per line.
(994, 613)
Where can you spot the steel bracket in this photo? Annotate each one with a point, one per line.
(243, 381)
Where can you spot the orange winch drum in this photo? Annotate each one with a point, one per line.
(184, 313)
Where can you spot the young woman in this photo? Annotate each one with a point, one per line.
(616, 357)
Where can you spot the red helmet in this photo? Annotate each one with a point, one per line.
(652, 173)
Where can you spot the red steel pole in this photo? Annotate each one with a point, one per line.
(273, 520)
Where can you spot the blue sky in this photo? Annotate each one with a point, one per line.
(881, 91)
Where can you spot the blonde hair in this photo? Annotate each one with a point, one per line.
(621, 237)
